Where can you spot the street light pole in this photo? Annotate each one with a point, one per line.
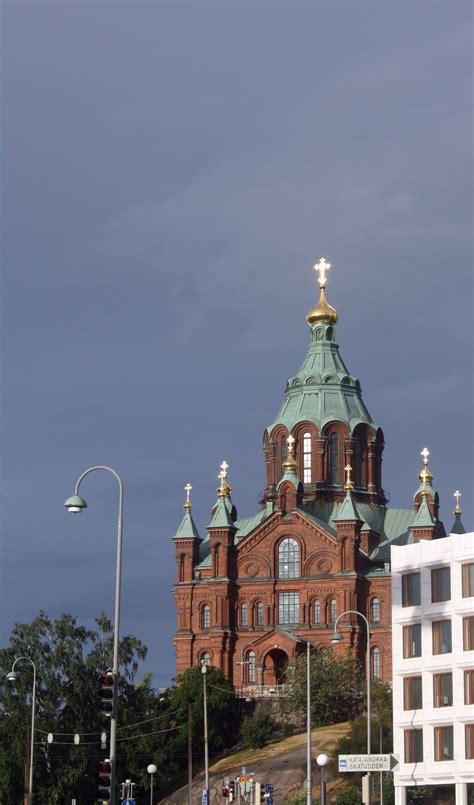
(206, 746)
(322, 761)
(76, 504)
(11, 677)
(151, 769)
(309, 783)
(336, 638)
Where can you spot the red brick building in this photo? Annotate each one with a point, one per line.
(253, 591)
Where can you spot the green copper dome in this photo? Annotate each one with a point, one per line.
(323, 390)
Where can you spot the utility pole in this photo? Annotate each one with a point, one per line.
(206, 746)
(309, 783)
(190, 754)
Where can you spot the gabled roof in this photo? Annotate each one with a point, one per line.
(187, 528)
(348, 510)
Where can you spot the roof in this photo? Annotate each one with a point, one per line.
(423, 517)
(187, 528)
(323, 390)
(457, 527)
(348, 510)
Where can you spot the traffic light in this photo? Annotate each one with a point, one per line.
(261, 794)
(105, 780)
(107, 692)
(225, 791)
(231, 790)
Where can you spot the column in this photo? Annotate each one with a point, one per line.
(371, 456)
(461, 793)
(320, 476)
(400, 795)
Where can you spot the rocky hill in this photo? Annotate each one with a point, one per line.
(282, 763)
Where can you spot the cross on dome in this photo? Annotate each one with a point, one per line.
(425, 453)
(290, 442)
(224, 468)
(321, 269)
(187, 489)
(457, 495)
(348, 486)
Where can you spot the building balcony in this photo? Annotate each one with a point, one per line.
(261, 691)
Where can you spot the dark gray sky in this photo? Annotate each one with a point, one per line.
(171, 172)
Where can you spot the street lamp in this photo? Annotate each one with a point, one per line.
(151, 769)
(76, 504)
(322, 761)
(206, 743)
(309, 781)
(12, 678)
(336, 638)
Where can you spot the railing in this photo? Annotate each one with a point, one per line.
(261, 691)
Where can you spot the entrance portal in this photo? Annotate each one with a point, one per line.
(275, 667)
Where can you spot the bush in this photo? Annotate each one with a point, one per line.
(351, 796)
(258, 728)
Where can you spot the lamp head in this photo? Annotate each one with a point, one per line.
(336, 638)
(12, 676)
(322, 760)
(151, 769)
(75, 504)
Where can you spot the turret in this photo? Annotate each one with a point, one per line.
(348, 526)
(187, 541)
(221, 528)
(457, 527)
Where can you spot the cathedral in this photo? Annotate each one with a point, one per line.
(315, 558)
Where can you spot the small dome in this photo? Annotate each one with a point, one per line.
(323, 313)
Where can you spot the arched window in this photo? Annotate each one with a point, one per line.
(259, 614)
(181, 567)
(283, 452)
(251, 666)
(332, 610)
(244, 615)
(376, 663)
(375, 610)
(357, 461)
(206, 617)
(288, 559)
(205, 658)
(317, 612)
(307, 458)
(333, 458)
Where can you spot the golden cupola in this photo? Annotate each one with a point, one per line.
(322, 313)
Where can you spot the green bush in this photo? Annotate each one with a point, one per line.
(351, 796)
(258, 728)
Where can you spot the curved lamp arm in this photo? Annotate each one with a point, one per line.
(336, 639)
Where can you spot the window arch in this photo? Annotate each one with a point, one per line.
(376, 663)
(333, 455)
(205, 658)
(181, 567)
(206, 617)
(288, 559)
(259, 614)
(375, 610)
(316, 611)
(251, 666)
(244, 615)
(332, 610)
(307, 470)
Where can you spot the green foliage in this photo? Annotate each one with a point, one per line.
(337, 687)
(152, 727)
(259, 727)
(350, 796)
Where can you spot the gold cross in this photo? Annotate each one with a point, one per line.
(224, 468)
(187, 489)
(290, 443)
(426, 454)
(321, 268)
(457, 495)
(348, 485)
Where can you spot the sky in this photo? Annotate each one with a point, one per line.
(170, 174)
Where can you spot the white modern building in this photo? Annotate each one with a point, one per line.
(433, 663)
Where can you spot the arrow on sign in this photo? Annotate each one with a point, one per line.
(367, 762)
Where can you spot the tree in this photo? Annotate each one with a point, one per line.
(337, 687)
(259, 727)
(69, 659)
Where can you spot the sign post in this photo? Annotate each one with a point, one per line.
(367, 762)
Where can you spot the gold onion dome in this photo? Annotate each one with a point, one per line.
(223, 490)
(323, 312)
(425, 475)
(290, 461)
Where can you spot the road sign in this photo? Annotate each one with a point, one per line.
(269, 787)
(269, 800)
(204, 797)
(367, 762)
(128, 802)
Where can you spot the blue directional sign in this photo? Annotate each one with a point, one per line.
(128, 802)
(204, 797)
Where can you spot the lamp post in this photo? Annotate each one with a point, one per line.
(206, 743)
(76, 504)
(151, 769)
(309, 782)
(11, 678)
(322, 761)
(336, 638)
